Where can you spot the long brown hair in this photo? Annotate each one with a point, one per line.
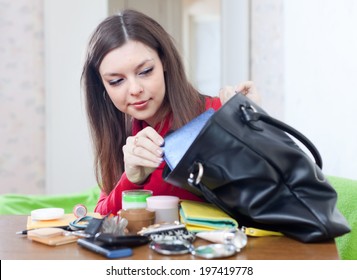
(110, 127)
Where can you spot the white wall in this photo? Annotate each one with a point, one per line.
(235, 59)
(201, 22)
(321, 78)
(216, 43)
(22, 114)
(68, 25)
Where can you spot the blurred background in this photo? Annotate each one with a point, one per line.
(300, 54)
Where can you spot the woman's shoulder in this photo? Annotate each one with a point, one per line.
(213, 102)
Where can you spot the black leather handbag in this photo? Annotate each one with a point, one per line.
(244, 161)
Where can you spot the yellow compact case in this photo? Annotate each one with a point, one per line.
(51, 236)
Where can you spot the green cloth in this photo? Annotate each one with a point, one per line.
(17, 204)
(347, 204)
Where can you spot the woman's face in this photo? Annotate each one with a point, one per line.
(133, 77)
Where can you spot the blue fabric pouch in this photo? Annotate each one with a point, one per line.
(178, 142)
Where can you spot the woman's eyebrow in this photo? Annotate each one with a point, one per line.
(112, 74)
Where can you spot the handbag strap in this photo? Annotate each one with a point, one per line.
(250, 115)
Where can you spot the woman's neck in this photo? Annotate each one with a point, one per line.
(159, 117)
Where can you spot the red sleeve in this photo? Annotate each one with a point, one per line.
(213, 102)
(112, 203)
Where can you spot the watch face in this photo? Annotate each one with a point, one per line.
(171, 247)
(215, 251)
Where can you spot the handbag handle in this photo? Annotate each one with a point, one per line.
(249, 115)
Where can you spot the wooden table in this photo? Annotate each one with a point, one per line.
(18, 247)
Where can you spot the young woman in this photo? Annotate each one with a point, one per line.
(136, 90)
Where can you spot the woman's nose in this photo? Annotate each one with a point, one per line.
(135, 88)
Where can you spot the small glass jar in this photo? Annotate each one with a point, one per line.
(135, 199)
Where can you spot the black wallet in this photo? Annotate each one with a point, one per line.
(177, 143)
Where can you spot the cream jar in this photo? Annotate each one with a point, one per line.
(137, 219)
(165, 207)
(135, 199)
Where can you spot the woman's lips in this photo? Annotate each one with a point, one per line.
(140, 104)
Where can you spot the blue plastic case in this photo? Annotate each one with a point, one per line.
(177, 143)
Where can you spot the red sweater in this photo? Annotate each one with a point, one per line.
(112, 203)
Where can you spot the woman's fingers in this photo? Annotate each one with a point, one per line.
(249, 89)
(144, 149)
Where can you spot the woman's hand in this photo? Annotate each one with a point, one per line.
(247, 88)
(142, 154)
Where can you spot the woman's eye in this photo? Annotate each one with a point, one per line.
(115, 82)
(146, 71)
